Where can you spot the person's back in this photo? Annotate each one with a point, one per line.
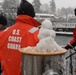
(22, 34)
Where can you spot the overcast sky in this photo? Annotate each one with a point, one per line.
(60, 3)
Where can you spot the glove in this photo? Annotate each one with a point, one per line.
(68, 47)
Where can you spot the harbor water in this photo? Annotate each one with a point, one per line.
(63, 39)
(71, 61)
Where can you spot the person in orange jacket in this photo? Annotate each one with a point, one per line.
(22, 34)
(72, 42)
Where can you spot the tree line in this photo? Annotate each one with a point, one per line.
(39, 7)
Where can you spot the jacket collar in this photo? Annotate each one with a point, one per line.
(28, 20)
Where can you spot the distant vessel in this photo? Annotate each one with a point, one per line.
(43, 16)
(59, 24)
(64, 25)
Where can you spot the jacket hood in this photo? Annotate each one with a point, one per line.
(28, 20)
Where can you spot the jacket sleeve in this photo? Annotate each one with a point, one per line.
(72, 42)
(74, 32)
(33, 37)
(36, 36)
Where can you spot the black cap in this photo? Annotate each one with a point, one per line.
(3, 20)
(26, 8)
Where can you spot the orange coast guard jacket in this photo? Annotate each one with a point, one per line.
(22, 34)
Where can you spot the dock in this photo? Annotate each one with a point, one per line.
(64, 33)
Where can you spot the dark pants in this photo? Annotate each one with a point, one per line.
(0, 69)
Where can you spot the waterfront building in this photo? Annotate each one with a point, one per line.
(59, 23)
